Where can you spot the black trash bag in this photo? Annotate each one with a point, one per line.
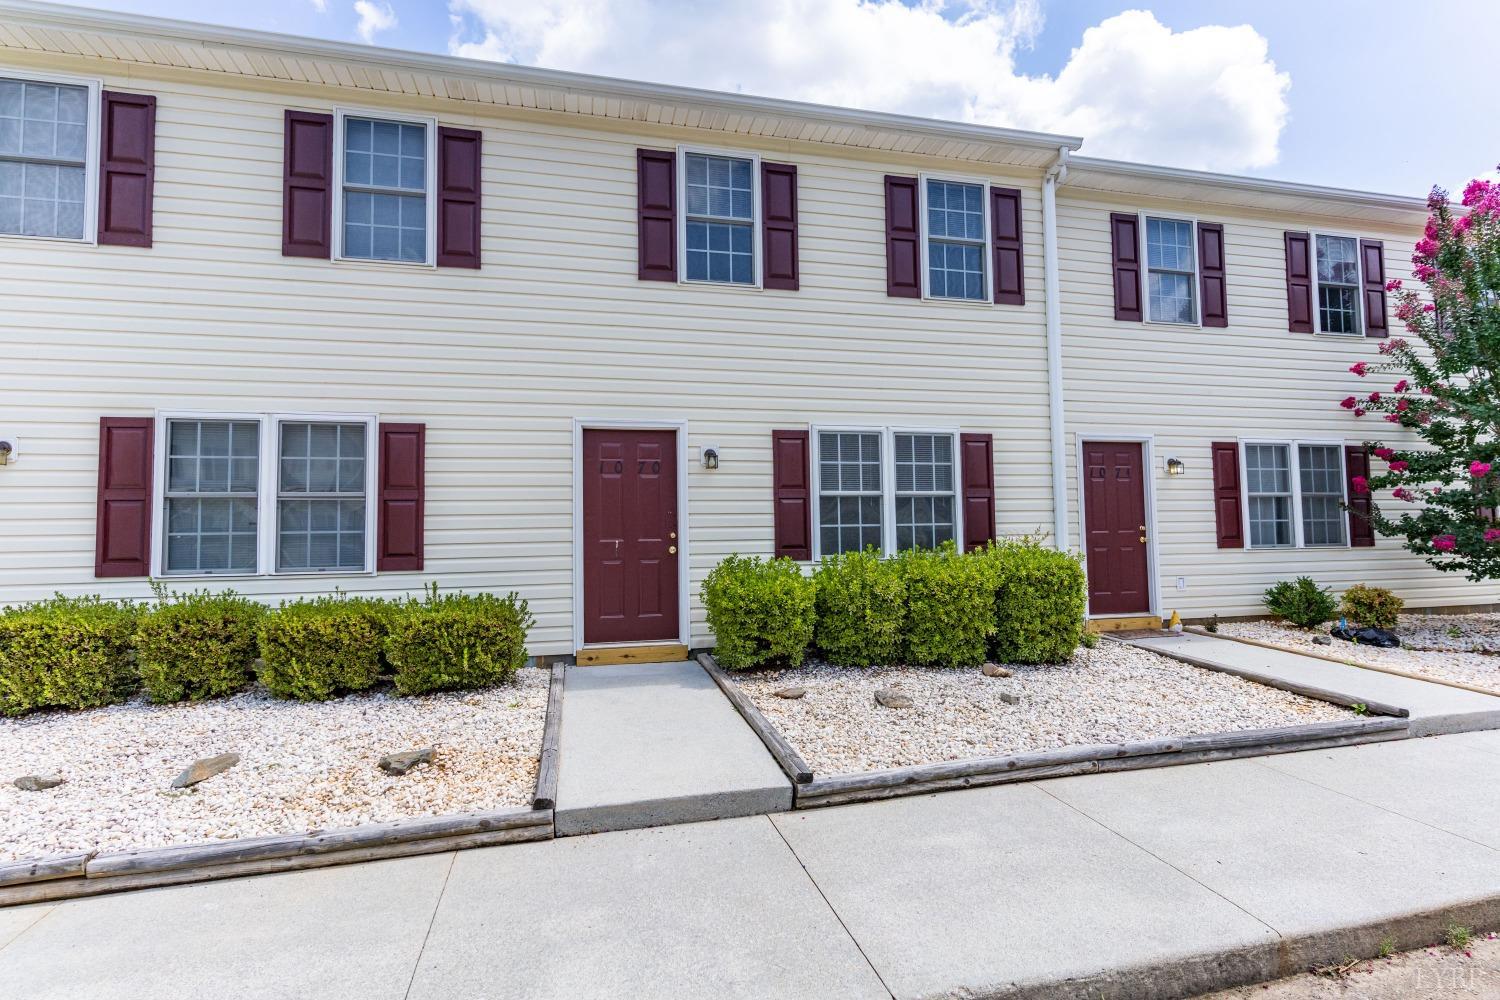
(1382, 637)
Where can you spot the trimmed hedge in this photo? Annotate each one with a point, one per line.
(950, 607)
(1039, 602)
(313, 650)
(66, 652)
(1301, 602)
(760, 612)
(1376, 607)
(197, 645)
(861, 608)
(457, 641)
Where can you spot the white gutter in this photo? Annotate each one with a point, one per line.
(1052, 296)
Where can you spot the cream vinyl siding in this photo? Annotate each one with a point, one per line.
(1190, 386)
(497, 362)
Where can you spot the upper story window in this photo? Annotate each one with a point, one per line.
(257, 494)
(956, 246)
(870, 478)
(1171, 271)
(720, 218)
(1338, 284)
(45, 154)
(1294, 494)
(386, 199)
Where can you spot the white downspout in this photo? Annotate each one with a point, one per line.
(1052, 297)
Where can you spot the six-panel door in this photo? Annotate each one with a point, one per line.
(1114, 514)
(630, 543)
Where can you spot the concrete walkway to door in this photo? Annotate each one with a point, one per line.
(647, 744)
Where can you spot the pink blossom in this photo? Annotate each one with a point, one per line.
(1402, 493)
(1402, 404)
(1445, 543)
(1398, 466)
(1426, 248)
(1462, 223)
(1476, 191)
(1374, 397)
(1394, 285)
(1359, 368)
(1359, 411)
(1492, 535)
(1479, 469)
(1437, 198)
(1393, 418)
(1428, 307)
(1426, 391)
(1405, 311)
(1385, 454)
(1360, 484)
(1401, 386)
(1348, 402)
(1424, 272)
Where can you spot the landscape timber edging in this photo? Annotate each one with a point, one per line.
(786, 756)
(547, 763)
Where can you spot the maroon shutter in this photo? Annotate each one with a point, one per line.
(1228, 520)
(1372, 257)
(977, 469)
(1299, 314)
(459, 167)
(903, 259)
(1125, 245)
(656, 210)
(778, 196)
(307, 186)
(1211, 274)
(791, 492)
(1005, 232)
(1361, 531)
(403, 450)
(122, 527)
(127, 168)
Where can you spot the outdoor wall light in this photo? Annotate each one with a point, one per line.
(711, 456)
(6, 451)
(1175, 467)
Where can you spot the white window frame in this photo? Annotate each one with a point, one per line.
(1294, 462)
(267, 506)
(887, 434)
(1195, 281)
(91, 128)
(756, 218)
(987, 268)
(340, 115)
(1359, 286)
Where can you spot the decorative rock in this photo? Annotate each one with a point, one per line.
(202, 770)
(996, 670)
(790, 694)
(892, 699)
(38, 782)
(1323, 640)
(1009, 698)
(398, 764)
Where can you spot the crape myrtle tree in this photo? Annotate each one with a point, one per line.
(1445, 389)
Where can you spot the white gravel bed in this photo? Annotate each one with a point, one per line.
(1478, 669)
(1451, 633)
(303, 766)
(1114, 693)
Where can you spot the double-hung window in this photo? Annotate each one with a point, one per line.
(956, 243)
(386, 176)
(1338, 284)
(887, 488)
(722, 198)
(47, 157)
(1171, 271)
(1294, 494)
(266, 493)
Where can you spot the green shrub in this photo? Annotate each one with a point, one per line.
(861, 609)
(760, 612)
(457, 641)
(950, 606)
(197, 645)
(1301, 602)
(1372, 606)
(1039, 602)
(313, 650)
(66, 652)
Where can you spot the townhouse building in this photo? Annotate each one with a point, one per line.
(295, 316)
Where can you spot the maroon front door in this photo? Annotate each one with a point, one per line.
(1114, 515)
(630, 536)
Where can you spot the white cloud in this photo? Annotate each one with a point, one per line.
(374, 15)
(1209, 97)
(321, 6)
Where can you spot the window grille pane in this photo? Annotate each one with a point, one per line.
(849, 503)
(1338, 309)
(1338, 260)
(720, 187)
(719, 251)
(210, 535)
(1169, 245)
(955, 270)
(321, 534)
(955, 210)
(1171, 297)
(42, 121)
(1322, 481)
(1268, 487)
(924, 490)
(321, 513)
(322, 458)
(385, 184)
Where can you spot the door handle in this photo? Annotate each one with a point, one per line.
(671, 550)
(1143, 534)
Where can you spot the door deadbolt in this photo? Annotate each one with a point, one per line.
(671, 550)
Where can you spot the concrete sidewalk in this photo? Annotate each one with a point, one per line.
(1158, 883)
(1435, 708)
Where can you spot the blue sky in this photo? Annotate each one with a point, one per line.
(1374, 95)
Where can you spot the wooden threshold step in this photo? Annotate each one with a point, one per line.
(600, 656)
(1124, 623)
